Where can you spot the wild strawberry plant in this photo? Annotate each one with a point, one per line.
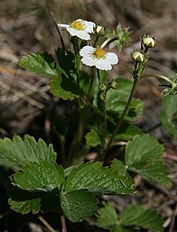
(98, 118)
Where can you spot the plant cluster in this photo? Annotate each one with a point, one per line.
(98, 123)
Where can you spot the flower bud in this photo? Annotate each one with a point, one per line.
(100, 30)
(149, 42)
(138, 56)
(114, 85)
(103, 87)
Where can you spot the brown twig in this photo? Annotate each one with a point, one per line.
(63, 223)
(170, 156)
(55, 23)
(49, 227)
(172, 224)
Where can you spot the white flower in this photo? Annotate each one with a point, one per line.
(80, 28)
(98, 57)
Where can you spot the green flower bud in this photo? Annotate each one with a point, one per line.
(103, 87)
(138, 56)
(149, 42)
(114, 85)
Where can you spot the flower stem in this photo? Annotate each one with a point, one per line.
(119, 123)
(160, 77)
(77, 59)
(105, 119)
(91, 84)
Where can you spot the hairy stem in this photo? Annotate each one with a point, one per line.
(119, 123)
(160, 77)
(105, 119)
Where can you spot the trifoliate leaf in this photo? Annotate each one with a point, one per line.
(106, 217)
(92, 138)
(144, 156)
(41, 63)
(78, 205)
(169, 114)
(62, 87)
(21, 152)
(141, 216)
(24, 207)
(98, 179)
(39, 176)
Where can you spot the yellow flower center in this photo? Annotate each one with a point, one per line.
(99, 53)
(78, 25)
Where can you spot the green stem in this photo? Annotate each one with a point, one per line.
(77, 59)
(153, 127)
(119, 123)
(108, 41)
(98, 75)
(91, 85)
(75, 146)
(105, 119)
(160, 77)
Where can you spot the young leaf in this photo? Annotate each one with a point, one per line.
(24, 207)
(169, 114)
(39, 176)
(139, 215)
(98, 179)
(92, 138)
(144, 156)
(62, 87)
(21, 152)
(78, 205)
(41, 63)
(106, 217)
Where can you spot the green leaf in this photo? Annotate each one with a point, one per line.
(142, 217)
(23, 201)
(128, 131)
(21, 152)
(116, 100)
(24, 207)
(62, 87)
(144, 156)
(41, 63)
(106, 217)
(78, 205)
(169, 114)
(123, 229)
(98, 179)
(66, 61)
(39, 176)
(92, 138)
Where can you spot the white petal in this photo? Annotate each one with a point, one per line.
(86, 50)
(103, 64)
(83, 35)
(72, 31)
(112, 58)
(89, 26)
(88, 60)
(63, 25)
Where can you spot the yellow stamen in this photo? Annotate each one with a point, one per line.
(78, 25)
(99, 53)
